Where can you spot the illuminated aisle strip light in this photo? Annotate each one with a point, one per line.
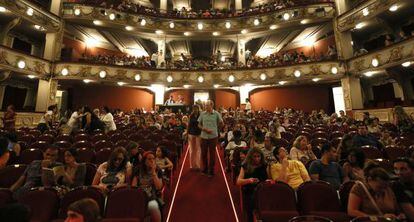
(227, 185)
(176, 186)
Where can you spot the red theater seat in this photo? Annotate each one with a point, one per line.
(6, 197)
(78, 194)
(102, 155)
(310, 219)
(63, 144)
(46, 137)
(82, 144)
(64, 137)
(371, 152)
(27, 156)
(126, 202)
(275, 202)
(10, 174)
(43, 203)
(42, 145)
(102, 144)
(90, 173)
(369, 219)
(393, 152)
(86, 155)
(344, 191)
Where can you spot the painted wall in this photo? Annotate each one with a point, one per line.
(306, 98)
(227, 98)
(78, 48)
(124, 98)
(321, 47)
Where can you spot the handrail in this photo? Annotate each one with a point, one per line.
(24, 53)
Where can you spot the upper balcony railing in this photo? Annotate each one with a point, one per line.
(33, 13)
(141, 22)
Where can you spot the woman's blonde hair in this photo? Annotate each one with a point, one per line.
(296, 143)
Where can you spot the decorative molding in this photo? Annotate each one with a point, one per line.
(26, 119)
(384, 115)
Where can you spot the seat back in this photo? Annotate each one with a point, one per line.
(10, 174)
(317, 196)
(371, 218)
(371, 153)
(42, 145)
(63, 144)
(344, 191)
(6, 197)
(393, 152)
(86, 155)
(102, 144)
(82, 144)
(27, 156)
(126, 202)
(90, 173)
(102, 155)
(276, 196)
(81, 193)
(43, 203)
(310, 219)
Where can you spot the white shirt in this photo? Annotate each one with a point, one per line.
(232, 146)
(72, 122)
(248, 106)
(108, 119)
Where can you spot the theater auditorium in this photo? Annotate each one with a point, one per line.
(206, 110)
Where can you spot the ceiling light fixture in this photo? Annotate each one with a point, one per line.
(21, 64)
(375, 62)
(286, 16)
(282, 82)
(359, 25)
(200, 79)
(231, 78)
(297, 73)
(64, 72)
(143, 22)
(216, 86)
(120, 83)
(216, 33)
(406, 64)
(334, 70)
(316, 79)
(87, 81)
(2, 9)
(256, 22)
(29, 11)
(273, 27)
(200, 26)
(304, 21)
(112, 16)
(186, 33)
(137, 77)
(31, 76)
(129, 28)
(369, 73)
(77, 11)
(172, 25)
(159, 32)
(244, 31)
(102, 74)
(186, 86)
(169, 78)
(97, 22)
(365, 12)
(393, 8)
(227, 25)
(263, 76)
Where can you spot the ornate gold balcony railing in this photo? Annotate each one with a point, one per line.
(33, 13)
(26, 119)
(302, 15)
(363, 12)
(383, 58)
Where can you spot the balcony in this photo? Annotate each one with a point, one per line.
(377, 61)
(32, 13)
(266, 22)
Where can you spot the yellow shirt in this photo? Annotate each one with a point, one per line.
(296, 173)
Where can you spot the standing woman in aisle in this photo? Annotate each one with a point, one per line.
(194, 139)
(9, 118)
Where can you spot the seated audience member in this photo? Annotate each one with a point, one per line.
(90, 121)
(162, 161)
(116, 172)
(253, 171)
(46, 121)
(134, 153)
(74, 121)
(292, 172)
(404, 187)
(374, 126)
(64, 128)
(37, 173)
(148, 178)
(302, 150)
(71, 174)
(345, 146)
(354, 165)
(362, 138)
(13, 146)
(84, 210)
(108, 120)
(326, 168)
(402, 120)
(386, 139)
(268, 148)
(374, 196)
(235, 142)
(389, 40)
(4, 152)
(15, 212)
(402, 35)
(258, 139)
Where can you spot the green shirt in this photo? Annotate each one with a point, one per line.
(210, 121)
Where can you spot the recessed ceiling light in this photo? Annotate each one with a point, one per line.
(406, 64)
(282, 82)
(172, 25)
(87, 80)
(102, 74)
(200, 79)
(216, 86)
(334, 70)
(286, 16)
(29, 11)
(77, 11)
(120, 83)
(186, 86)
(316, 79)
(297, 73)
(21, 64)
(31, 76)
(200, 26)
(137, 77)
(375, 62)
(263, 76)
(97, 22)
(169, 78)
(37, 27)
(64, 72)
(2, 9)
(256, 22)
(244, 31)
(227, 25)
(112, 16)
(352, 42)
(216, 33)
(393, 8)
(231, 78)
(365, 12)
(143, 22)
(186, 33)
(129, 28)
(273, 27)
(369, 73)
(359, 25)
(304, 21)
(159, 32)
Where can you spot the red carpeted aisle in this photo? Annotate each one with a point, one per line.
(201, 198)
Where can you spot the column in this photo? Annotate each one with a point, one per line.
(258, 2)
(53, 45)
(341, 6)
(238, 5)
(241, 52)
(55, 7)
(4, 40)
(343, 42)
(46, 94)
(2, 91)
(163, 5)
(159, 91)
(351, 87)
(161, 43)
